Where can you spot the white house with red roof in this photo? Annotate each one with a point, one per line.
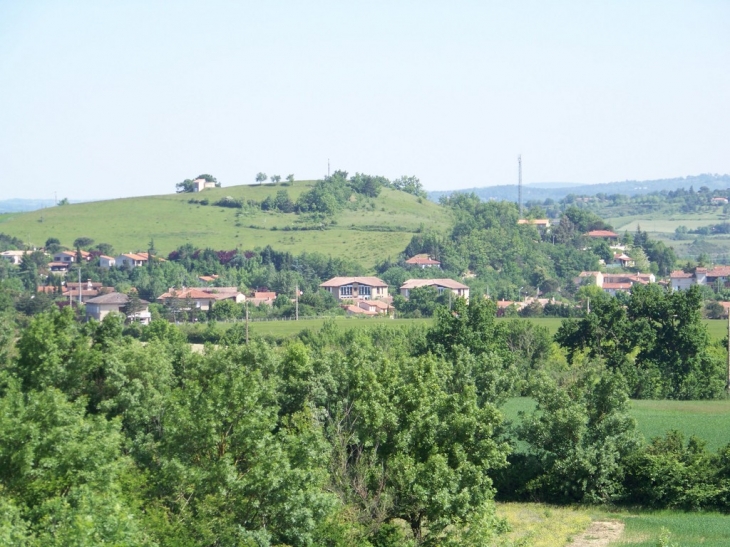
(423, 261)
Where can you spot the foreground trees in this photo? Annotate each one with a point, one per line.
(373, 437)
(657, 342)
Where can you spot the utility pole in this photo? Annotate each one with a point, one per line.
(519, 182)
(247, 322)
(727, 386)
(79, 284)
(296, 300)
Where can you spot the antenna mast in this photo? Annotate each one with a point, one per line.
(519, 182)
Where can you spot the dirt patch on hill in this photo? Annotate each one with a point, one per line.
(599, 534)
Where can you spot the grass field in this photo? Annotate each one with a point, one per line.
(128, 224)
(707, 420)
(679, 529)
(283, 329)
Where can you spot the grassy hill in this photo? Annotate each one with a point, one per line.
(372, 230)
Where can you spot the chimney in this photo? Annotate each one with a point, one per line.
(89, 286)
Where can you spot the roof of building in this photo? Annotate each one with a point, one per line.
(199, 293)
(680, 274)
(113, 298)
(208, 278)
(358, 309)
(422, 260)
(264, 295)
(617, 286)
(106, 257)
(378, 304)
(719, 271)
(621, 256)
(58, 264)
(588, 274)
(15, 253)
(602, 233)
(136, 256)
(339, 281)
(447, 283)
(535, 221)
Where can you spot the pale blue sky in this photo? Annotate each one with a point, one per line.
(110, 99)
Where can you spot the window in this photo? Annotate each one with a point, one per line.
(364, 290)
(346, 290)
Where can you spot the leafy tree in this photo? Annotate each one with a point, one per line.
(290, 179)
(261, 178)
(276, 179)
(64, 201)
(580, 436)
(80, 242)
(52, 245)
(186, 186)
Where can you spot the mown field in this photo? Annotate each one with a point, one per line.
(379, 228)
(284, 329)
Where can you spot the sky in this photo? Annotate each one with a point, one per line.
(113, 99)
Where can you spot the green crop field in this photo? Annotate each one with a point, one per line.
(707, 420)
(379, 228)
(677, 528)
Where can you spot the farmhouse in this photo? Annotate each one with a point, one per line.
(459, 289)
(356, 288)
(717, 277)
(202, 298)
(201, 184)
(623, 260)
(607, 235)
(101, 306)
(132, 260)
(423, 261)
(68, 257)
(263, 297)
(15, 257)
(107, 262)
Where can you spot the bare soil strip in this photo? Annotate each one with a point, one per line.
(599, 534)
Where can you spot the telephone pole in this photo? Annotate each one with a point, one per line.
(519, 182)
(247, 321)
(296, 300)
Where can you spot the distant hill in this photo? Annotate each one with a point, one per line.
(22, 205)
(550, 190)
(369, 231)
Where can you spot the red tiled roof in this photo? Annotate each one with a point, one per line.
(422, 260)
(339, 281)
(719, 271)
(679, 274)
(617, 286)
(601, 233)
(270, 295)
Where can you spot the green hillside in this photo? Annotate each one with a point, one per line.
(371, 229)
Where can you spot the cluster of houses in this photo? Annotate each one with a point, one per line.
(361, 295)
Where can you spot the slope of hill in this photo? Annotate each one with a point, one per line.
(21, 205)
(543, 191)
(372, 230)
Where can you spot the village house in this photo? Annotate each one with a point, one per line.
(69, 257)
(423, 261)
(107, 262)
(623, 260)
(202, 298)
(542, 224)
(717, 278)
(201, 184)
(131, 260)
(14, 257)
(356, 288)
(719, 201)
(458, 289)
(59, 267)
(607, 235)
(613, 283)
(262, 297)
(101, 306)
